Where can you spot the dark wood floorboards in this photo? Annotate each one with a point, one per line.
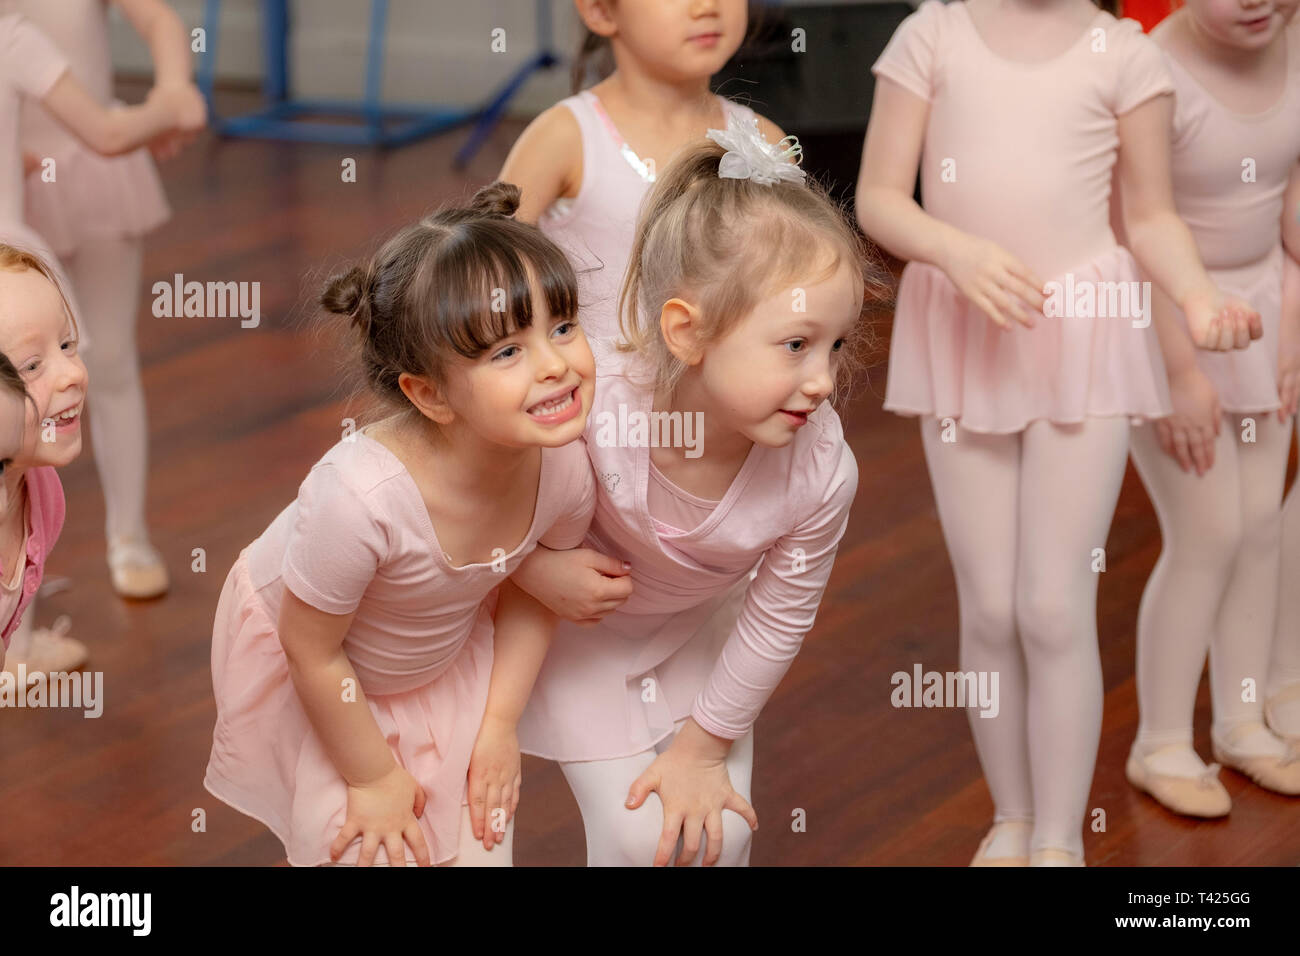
(237, 416)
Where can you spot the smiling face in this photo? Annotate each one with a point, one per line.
(1243, 24)
(677, 39)
(38, 336)
(778, 364)
(533, 387)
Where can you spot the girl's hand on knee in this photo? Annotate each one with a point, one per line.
(495, 775)
(693, 784)
(579, 585)
(384, 811)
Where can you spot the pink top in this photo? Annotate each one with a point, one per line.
(92, 196)
(672, 509)
(1238, 223)
(1022, 153)
(359, 538)
(43, 520)
(29, 64)
(616, 688)
(596, 228)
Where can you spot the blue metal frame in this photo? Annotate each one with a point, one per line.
(378, 124)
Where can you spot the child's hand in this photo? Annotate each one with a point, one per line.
(182, 102)
(384, 811)
(1221, 322)
(579, 585)
(996, 282)
(495, 776)
(1188, 434)
(694, 787)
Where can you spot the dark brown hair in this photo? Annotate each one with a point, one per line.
(726, 244)
(11, 381)
(450, 285)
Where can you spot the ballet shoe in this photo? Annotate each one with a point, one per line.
(136, 568)
(980, 859)
(1286, 695)
(1202, 796)
(50, 651)
(1279, 774)
(1054, 856)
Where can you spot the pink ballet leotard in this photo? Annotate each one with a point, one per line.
(92, 196)
(359, 538)
(618, 687)
(596, 228)
(1023, 154)
(1230, 172)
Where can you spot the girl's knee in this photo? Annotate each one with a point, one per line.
(625, 837)
(737, 840)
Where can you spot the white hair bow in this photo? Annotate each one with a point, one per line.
(750, 156)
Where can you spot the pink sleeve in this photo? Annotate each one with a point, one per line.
(32, 62)
(579, 488)
(336, 545)
(1143, 72)
(910, 58)
(782, 602)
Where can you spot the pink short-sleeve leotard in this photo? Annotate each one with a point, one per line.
(596, 228)
(359, 539)
(30, 65)
(1023, 154)
(616, 688)
(1230, 172)
(92, 196)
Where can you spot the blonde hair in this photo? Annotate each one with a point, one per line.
(18, 259)
(725, 245)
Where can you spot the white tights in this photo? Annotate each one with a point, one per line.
(1213, 589)
(1023, 515)
(1284, 669)
(617, 836)
(105, 277)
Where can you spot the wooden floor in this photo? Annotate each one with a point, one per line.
(237, 417)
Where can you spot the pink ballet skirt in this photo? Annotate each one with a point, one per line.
(1246, 379)
(948, 360)
(95, 197)
(268, 762)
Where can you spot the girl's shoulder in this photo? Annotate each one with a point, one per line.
(45, 502)
(822, 466)
(363, 466)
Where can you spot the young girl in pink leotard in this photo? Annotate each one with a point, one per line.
(31, 66)
(744, 291)
(1215, 468)
(1017, 113)
(369, 654)
(94, 215)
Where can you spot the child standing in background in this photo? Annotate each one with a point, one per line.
(1215, 469)
(31, 65)
(1024, 415)
(94, 216)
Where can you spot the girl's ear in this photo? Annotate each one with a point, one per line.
(427, 397)
(679, 321)
(595, 14)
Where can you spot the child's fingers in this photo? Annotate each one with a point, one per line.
(514, 801)
(713, 830)
(395, 849)
(608, 564)
(346, 836)
(692, 827)
(369, 847)
(668, 838)
(415, 838)
(641, 788)
(420, 798)
(740, 805)
(494, 815)
(477, 800)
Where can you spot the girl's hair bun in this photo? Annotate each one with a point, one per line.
(349, 294)
(497, 199)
